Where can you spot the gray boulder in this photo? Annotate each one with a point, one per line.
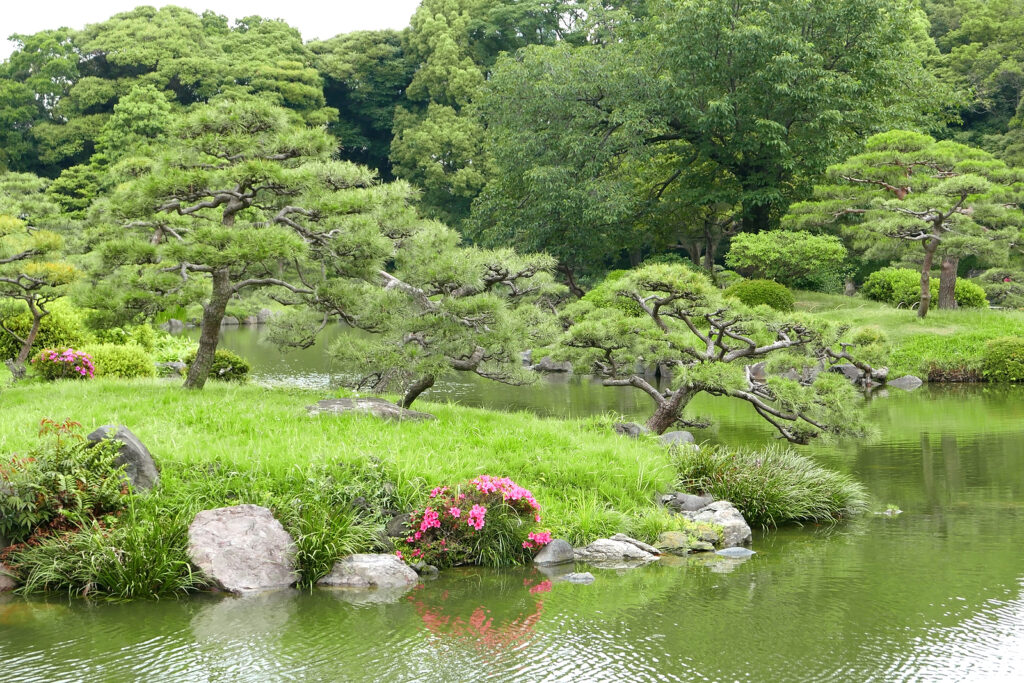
(228, 320)
(758, 373)
(630, 429)
(735, 553)
(623, 538)
(527, 357)
(685, 502)
(557, 551)
(139, 467)
(398, 526)
(242, 549)
(906, 383)
(264, 315)
(370, 571)
(251, 320)
(578, 577)
(848, 370)
(372, 406)
(674, 542)
(172, 368)
(676, 438)
(173, 326)
(548, 364)
(606, 550)
(7, 582)
(735, 530)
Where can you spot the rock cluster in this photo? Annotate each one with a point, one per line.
(139, 467)
(371, 406)
(370, 571)
(735, 530)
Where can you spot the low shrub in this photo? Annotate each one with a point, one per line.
(227, 365)
(63, 484)
(52, 364)
(173, 348)
(488, 521)
(128, 361)
(604, 296)
(727, 278)
(771, 486)
(757, 292)
(791, 257)
(1003, 360)
(902, 287)
(1003, 287)
(61, 329)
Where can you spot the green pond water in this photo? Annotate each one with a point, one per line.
(933, 594)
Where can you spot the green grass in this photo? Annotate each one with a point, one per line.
(772, 486)
(945, 345)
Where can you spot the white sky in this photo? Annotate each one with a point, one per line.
(314, 19)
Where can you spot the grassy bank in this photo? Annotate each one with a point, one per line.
(945, 344)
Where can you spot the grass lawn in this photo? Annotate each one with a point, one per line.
(944, 340)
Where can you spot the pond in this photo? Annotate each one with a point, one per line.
(935, 593)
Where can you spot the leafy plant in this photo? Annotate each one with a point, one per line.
(58, 330)
(1003, 360)
(902, 287)
(127, 361)
(52, 364)
(757, 292)
(793, 258)
(227, 365)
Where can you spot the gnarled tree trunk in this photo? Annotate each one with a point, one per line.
(947, 282)
(930, 246)
(26, 346)
(209, 336)
(418, 387)
(668, 412)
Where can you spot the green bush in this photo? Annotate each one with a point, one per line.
(168, 348)
(1003, 360)
(227, 366)
(1003, 287)
(727, 278)
(140, 335)
(61, 329)
(757, 292)
(793, 258)
(902, 287)
(771, 486)
(128, 361)
(63, 484)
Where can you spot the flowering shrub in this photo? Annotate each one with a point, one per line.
(52, 364)
(487, 521)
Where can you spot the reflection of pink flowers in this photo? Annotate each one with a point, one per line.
(476, 517)
(542, 587)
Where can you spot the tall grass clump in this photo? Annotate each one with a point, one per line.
(772, 486)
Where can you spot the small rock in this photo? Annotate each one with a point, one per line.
(264, 315)
(172, 368)
(370, 571)
(548, 364)
(558, 551)
(398, 526)
(647, 548)
(735, 553)
(139, 467)
(251, 320)
(906, 383)
(242, 548)
(701, 547)
(735, 530)
(685, 502)
(758, 372)
(7, 582)
(674, 542)
(848, 370)
(527, 357)
(630, 429)
(579, 577)
(676, 438)
(607, 550)
(173, 326)
(374, 406)
(228, 320)
(709, 534)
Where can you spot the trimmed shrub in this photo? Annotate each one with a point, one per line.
(127, 361)
(604, 296)
(227, 366)
(1003, 360)
(140, 335)
(487, 521)
(727, 278)
(58, 330)
(757, 292)
(52, 364)
(793, 258)
(1003, 287)
(771, 486)
(902, 287)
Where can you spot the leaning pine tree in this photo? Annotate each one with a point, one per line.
(951, 199)
(673, 317)
(245, 196)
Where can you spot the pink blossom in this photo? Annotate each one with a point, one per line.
(454, 511)
(430, 519)
(398, 554)
(476, 517)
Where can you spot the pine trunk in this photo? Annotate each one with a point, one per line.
(209, 336)
(668, 412)
(947, 282)
(926, 270)
(418, 387)
(26, 347)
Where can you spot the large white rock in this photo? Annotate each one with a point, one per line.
(608, 550)
(370, 570)
(735, 530)
(242, 548)
(556, 552)
(386, 410)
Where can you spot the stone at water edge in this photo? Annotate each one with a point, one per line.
(906, 383)
(173, 326)
(558, 551)
(228, 321)
(548, 364)
(139, 466)
(685, 502)
(242, 548)
(608, 550)
(7, 582)
(646, 547)
(674, 542)
(630, 429)
(370, 570)
(735, 530)
(735, 553)
(678, 438)
(372, 406)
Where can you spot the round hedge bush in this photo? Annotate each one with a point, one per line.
(757, 292)
(127, 361)
(1003, 360)
(902, 287)
(227, 366)
(61, 329)
(604, 296)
